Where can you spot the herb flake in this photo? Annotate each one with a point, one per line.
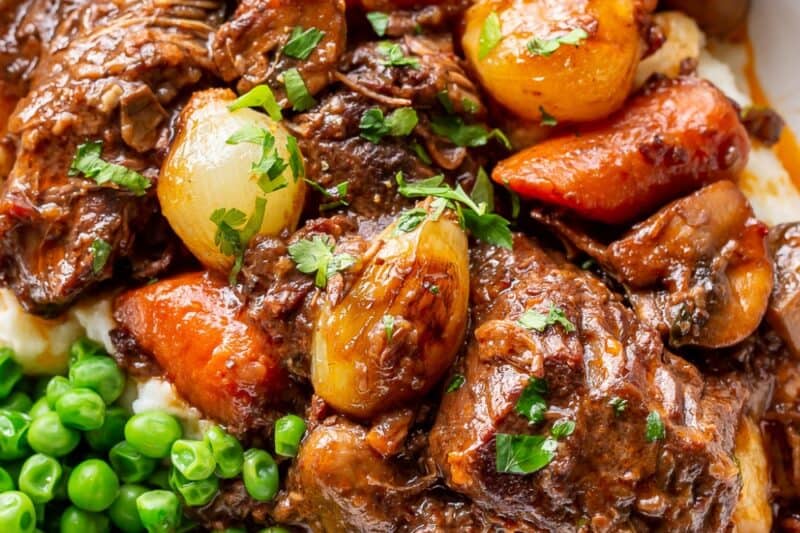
(315, 256)
(296, 91)
(655, 427)
(259, 96)
(374, 125)
(546, 47)
(531, 403)
(618, 405)
(379, 22)
(534, 320)
(395, 57)
(491, 35)
(87, 161)
(456, 383)
(101, 251)
(302, 42)
(523, 454)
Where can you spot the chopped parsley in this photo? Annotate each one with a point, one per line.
(483, 191)
(316, 256)
(562, 428)
(444, 99)
(337, 194)
(531, 403)
(456, 383)
(379, 22)
(296, 91)
(259, 96)
(388, 327)
(395, 57)
(375, 126)
(523, 454)
(470, 106)
(235, 231)
(303, 42)
(534, 320)
(547, 118)
(295, 158)
(546, 47)
(87, 161)
(486, 226)
(491, 35)
(101, 251)
(270, 166)
(515, 204)
(434, 289)
(410, 220)
(655, 427)
(468, 135)
(618, 405)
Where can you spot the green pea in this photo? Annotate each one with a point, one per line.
(17, 513)
(13, 435)
(123, 511)
(49, 436)
(194, 493)
(39, 476)
(83, 348)
(153, 433)
(227, 452)
(193, 458)
(129, 463)
(76, 520)
(100, 374)
(6, 481)
(159, 511)
(93, 485)
(10, 372)
(289, 431)
(17, 401)
(39, 408)
(111, 432)
(260, 475)
(81, 409)
(56, 388)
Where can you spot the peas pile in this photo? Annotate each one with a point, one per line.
(74, 461)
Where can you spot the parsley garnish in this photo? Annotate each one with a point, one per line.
(470, 106)
(562, 429)
(259, 96)
(337, 194)
(410, 219)
(546, 47)
(469, 135)
(87, 161)
(316, 256)
(302, 42)
(374, 126)
(534, 320)
(295, 158)
(296, 91)
(388, 327)
(421, 152)
(488, 227)
(655, 427)
(515, 204)
(491, 35)
(547, 118)
(618, 405)
(101, 251)
(523, 454)
(379, 22)
(444, 99)
(456, 383)
(395, 57)
(269, 168)
(434, 289)
(235, 231)
(531, 403)
(483, 191)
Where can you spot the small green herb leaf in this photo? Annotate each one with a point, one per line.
(456, 383)
(470, 106)
(421, 152)
(296, 91)
(534, 320)
(259, 96)
(395, 57)
(655, 427)
(618, 405)
(374, 126)
(523, 454)
(235, 231)
(337, 194)
(101, 251)
(388, 327)
(468, 135)
(562, 429)
(316, 256)
(410, 219)
(87, 161)
(547, 118)
(491, 35)
(531, 403)
(483, 191)
(546, 47)
(295, 158)
(270, 166)
(303, 42)
(379, 22)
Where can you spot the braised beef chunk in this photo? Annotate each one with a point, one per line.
(255, 45)
(651, 445)
(784, 308)
(115, 78)
(423, 19)
(338, 149)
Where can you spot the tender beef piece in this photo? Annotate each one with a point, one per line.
(114, 74)
(784, 308)
(231, 507)
(330, 135)
(605, 474)
(132, 358)
(249, 47)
